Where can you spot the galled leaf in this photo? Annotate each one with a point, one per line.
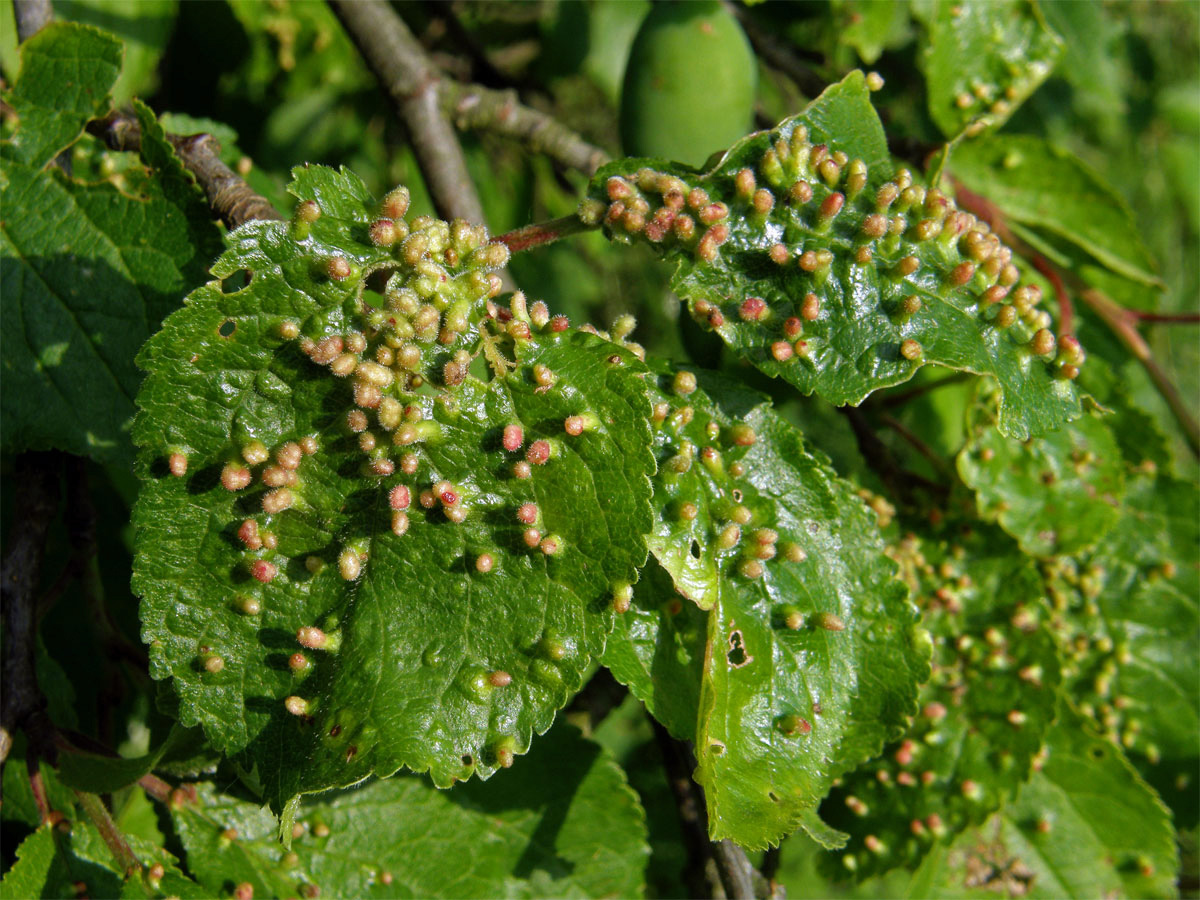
(982, 59)
(391, 838)
(346, 570)
(984, 713)
(807, 260)
(809, 658)
(1127, 614)
(1055, 494)
(1084, 826)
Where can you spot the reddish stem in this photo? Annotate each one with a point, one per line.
(38, 786)
(1122, 325)
(1166, 318)
(542, 233)
(155, 787)
(109, 831)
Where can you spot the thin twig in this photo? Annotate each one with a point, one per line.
(411, 80)
(501, 112)
(939, 464)
(32, 16)
(234, 201)
(109, 831)
(690, 807)
(770, 868)
(542, 233)
(735, 870)
(155, 787)
(898, 481)
(1122, 326)
(22, 704)
(733, 876)
(1164, 318)
(1066, 312)
(899, 399)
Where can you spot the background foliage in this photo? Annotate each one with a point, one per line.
(1036, 732)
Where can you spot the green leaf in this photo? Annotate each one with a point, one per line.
(54, 862)
(30, 874)
(144, 26)
(1085, 826)
(805, 290)
(67, 72)
(809, 658)
(1043, 186)
(985, 712)
(1055, 494)
(105, 774)
(87, 271)
(1092, 56)
(1128, 614)
(563, 823)
(444, 640)
(981, 60)
(870, 27)
(19, 803)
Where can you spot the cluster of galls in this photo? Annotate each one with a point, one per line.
(1093, 659)
(444, 274)
(907, 779)
(812, 204)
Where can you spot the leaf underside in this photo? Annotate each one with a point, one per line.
(984, 713)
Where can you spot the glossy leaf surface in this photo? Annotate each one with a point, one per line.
(343, 580)
(808, 658)
(74, 318)
(812, 260)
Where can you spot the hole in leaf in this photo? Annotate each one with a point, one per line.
(227, 328)
(737, 655)
(737, 496)
(467, 759)
(717, 748)
(695, 550)
(771, 794)
(1096, 752)
(235, 281)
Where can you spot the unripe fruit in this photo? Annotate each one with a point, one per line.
(690, 83)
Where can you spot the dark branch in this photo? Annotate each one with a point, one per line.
(22, 704)
(234, 201)
(32, 16)
(411, 80)
(713, 869)
(500, 112)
